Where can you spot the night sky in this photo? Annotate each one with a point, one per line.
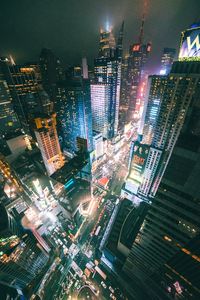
(71, 27)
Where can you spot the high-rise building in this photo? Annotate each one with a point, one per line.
(123, 107)
(84, 68)
(107, 71)
(47, 139)
(26, 91)
(167, 246)
(136, 74)
(106, 43)
(179, 91)
(21, 258)
(168, 57)
(8, 174)
(8, 118)
(51, 72)
(100, 99)
(75, 113)
(155, 88)
(165, 253)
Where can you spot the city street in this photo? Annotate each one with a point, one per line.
(76, 276)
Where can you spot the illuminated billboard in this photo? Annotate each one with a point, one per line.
(137, 167)
(190, 44)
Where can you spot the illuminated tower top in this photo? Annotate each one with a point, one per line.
(107, 43)
(120, 41)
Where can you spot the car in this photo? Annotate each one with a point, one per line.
(111, 289)
(103, 285)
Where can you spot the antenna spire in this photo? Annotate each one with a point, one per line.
(141, 35)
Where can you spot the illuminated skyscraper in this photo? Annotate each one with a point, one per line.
(106, 43)
(26, 91)
(74, 112)
(155, 89)
(100, 98)
(107, 71)
(165, 254)
(123, 108)
(136, 74)
(47, 138)
(167, 60)
(166, 248)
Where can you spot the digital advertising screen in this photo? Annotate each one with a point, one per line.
(190, 44)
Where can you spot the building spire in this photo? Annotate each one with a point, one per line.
(120, 41)
(141, 35)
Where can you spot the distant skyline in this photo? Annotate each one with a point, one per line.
(71, 27)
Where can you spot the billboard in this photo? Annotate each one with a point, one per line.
(137, 167)
(190, 44)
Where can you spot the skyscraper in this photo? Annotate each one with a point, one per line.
(167, 60)
(166, 247)
(8, 118)
(26, 91)
(100, 99)
(123, 108)
(165, 253)
(107, 71)
(51, 72)
(155, 89)
(136, 73)
(106, 43)
(47, 138)
(75, 113)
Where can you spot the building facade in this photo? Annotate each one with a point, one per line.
(75, 113)
(168, 57)
(47, 139)
(21, 259)
(26, 91)
(166, 247)
(107, 71)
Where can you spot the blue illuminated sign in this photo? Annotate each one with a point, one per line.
(190, 44)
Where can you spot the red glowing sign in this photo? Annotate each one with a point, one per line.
(136, 47)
